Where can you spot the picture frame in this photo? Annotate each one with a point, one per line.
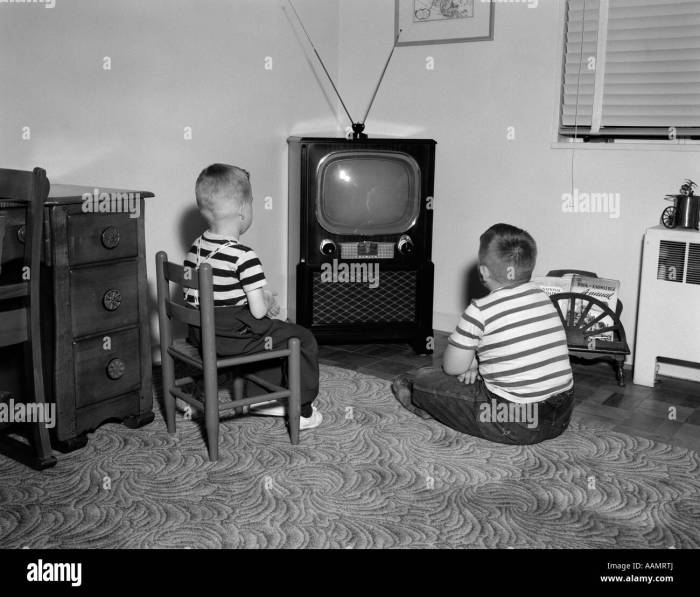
(424, 22)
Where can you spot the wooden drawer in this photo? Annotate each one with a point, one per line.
(104, 297)
(99, 237)
(12, 237)
(90, 417)
(106, 366)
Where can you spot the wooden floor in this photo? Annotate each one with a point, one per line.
(668, 412)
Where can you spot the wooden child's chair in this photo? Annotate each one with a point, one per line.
(20, 308)
(207, 361)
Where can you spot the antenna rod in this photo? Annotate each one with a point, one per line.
(320, 60)
(381, 78)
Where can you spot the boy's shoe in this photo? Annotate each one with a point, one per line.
(310, 422)
(403, 389)
(277, 409)
(273, 408)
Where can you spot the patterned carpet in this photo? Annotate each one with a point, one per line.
(373, 476)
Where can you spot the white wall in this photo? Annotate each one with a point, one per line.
(178, 63)
(475, 92)
(174, 64)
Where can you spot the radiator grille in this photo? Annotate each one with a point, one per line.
(393, 300)
(693, 275)
(671, 261)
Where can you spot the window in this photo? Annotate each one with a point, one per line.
(631, 70)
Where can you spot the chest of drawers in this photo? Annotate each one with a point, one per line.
(95, 330)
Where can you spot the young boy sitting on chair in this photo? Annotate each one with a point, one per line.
(521, 389)
(242, 307)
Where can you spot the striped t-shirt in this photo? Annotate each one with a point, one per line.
(520, 342)
(236, 269)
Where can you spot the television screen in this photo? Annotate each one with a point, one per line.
(368, 192)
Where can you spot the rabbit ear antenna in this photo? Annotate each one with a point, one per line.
(308, 37)
(381, 78)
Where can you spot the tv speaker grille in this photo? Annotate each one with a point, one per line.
(392, 301)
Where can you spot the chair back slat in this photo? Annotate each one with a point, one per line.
(184, 314)
(169, 310)
(184, 277)
(13, 291)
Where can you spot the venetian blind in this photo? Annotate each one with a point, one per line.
(632, 69)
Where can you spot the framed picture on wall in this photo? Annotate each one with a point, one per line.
(443, 21)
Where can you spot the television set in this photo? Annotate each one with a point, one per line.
(360, 236)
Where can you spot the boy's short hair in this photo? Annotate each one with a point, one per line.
(509, 253)
(221, 182)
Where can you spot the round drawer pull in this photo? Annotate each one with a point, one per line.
(112, 299)
(115, 368)
(110, 237)
(22, 233)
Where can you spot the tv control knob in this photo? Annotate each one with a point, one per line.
(405, 245)
(328, 247)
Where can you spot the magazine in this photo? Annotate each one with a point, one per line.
(556, 285)
(606, 291)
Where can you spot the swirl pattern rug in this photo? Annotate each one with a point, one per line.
(372, 476)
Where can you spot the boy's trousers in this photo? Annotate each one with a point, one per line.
(473, 409)
(239, 333)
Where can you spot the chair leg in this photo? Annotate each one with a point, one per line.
(238, 389)
(294, 372)
(620, 373)
(42, 442)
(168, 373)
(44, 457)
(211, 412)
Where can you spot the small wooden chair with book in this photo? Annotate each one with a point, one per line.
(586, 319)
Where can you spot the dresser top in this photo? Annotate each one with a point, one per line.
(66, 194)
(60, 194)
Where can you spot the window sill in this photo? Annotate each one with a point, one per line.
(627, 144)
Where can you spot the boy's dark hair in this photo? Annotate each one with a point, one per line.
(509, 253)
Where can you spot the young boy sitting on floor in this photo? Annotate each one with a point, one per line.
(521, 389)
(242, 308)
